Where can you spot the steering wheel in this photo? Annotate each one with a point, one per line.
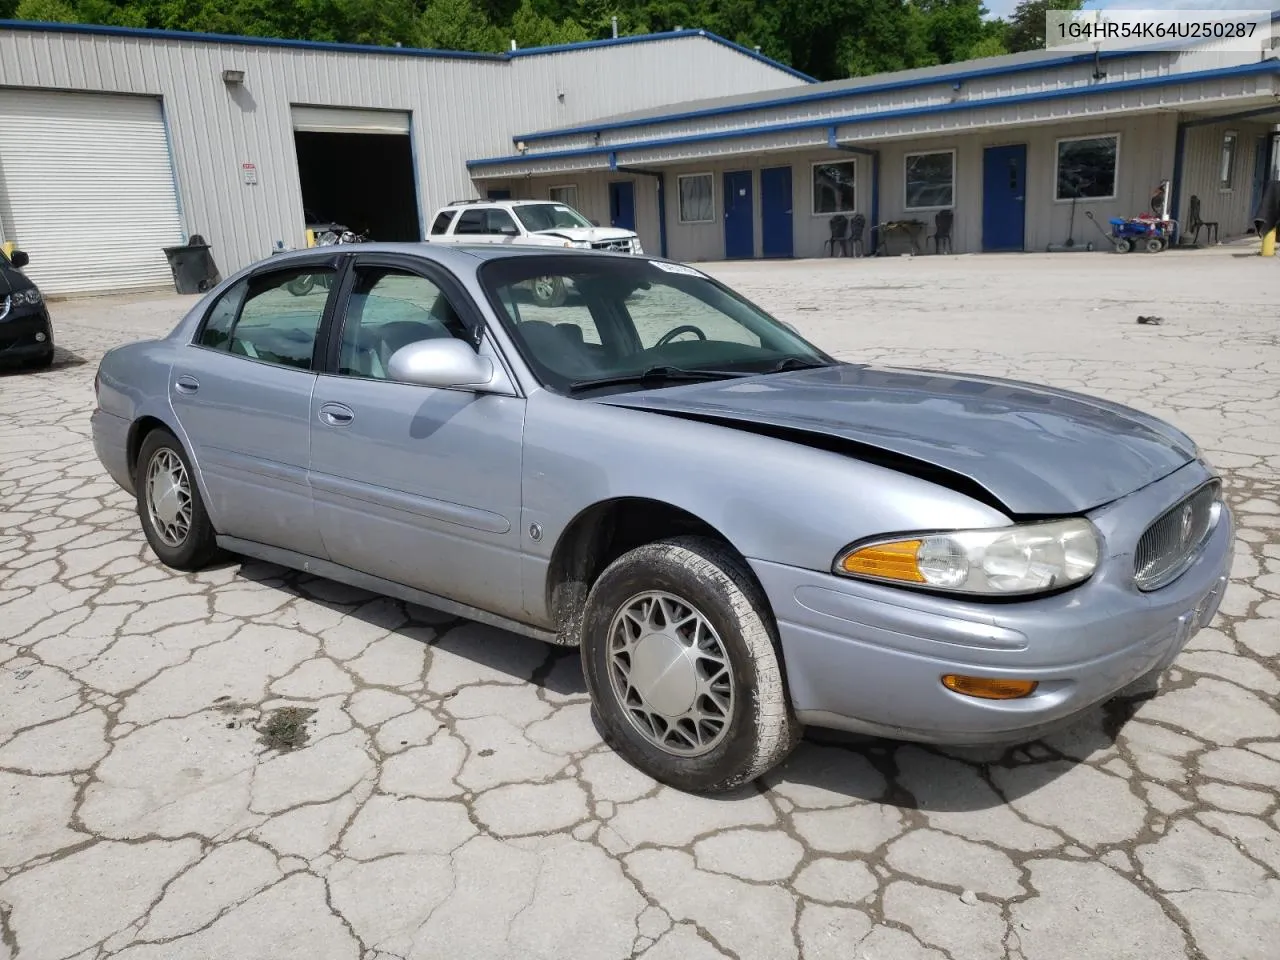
(676, 331)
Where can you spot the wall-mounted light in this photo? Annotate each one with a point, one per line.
(233, 77)
(520, 146)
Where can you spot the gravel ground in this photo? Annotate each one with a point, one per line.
(448, 796)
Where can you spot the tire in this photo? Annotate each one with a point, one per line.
(195, 548)
(549, 291)
(1154, 245)
(301, 286)
(1123, 246)
(751, 730)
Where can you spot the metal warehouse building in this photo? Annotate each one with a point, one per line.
(115, 143)
(1020, 148)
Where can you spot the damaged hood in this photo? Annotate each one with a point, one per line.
(1036, 450)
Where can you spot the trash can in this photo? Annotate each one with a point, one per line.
(192, 264)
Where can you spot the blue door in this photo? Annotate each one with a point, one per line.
(739, 216)
(775, 212)
(1004, 197)
(1259, 176)
(622, 205)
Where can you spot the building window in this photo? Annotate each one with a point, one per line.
(697, 202)
(566, 194)
(1227, 171)
(931, 179)
(1087, 168)
(834, 187)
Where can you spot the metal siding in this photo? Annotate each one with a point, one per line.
(460, 109)
(86, 188)
(1231, 209)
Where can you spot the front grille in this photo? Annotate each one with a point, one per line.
(621, 246)
(1170, 544)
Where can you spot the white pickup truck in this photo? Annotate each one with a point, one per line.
(539, 222)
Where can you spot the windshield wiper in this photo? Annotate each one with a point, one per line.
(654, 376)
(797, 363)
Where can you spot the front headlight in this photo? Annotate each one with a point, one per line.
(31, 296)
(635, 246)
(580, 244)
(1003, 561)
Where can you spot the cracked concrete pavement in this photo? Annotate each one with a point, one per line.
(454, 799)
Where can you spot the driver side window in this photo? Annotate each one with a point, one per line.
(389, 309)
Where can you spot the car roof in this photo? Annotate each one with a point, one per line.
(463, 204)
(448, 254)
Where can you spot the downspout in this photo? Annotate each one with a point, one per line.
(835, 144)
(662, 198)
(1175, 192)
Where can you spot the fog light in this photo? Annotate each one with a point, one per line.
(40, 338)
(990, 688)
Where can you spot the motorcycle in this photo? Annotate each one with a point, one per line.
(302, 285)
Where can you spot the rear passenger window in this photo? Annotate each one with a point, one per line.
(442, 221)
(471, 221)
(271, 319)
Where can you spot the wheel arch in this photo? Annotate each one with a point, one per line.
(602, 532)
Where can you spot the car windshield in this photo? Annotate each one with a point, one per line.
(588, 323)
(549, 216)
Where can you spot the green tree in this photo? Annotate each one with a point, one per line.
(1026, 24)
(47, 11)
(456, 25)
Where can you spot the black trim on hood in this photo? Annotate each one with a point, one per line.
(864, 452)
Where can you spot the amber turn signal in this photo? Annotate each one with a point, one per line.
(889, 561)
(990, 688)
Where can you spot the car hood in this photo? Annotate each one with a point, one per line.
(588, 233)
(11, 279)
(1037, 451)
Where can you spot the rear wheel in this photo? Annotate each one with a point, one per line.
(549, 291)
(173, 516)
(1123, 246)
(683, 667)
(1154, 245)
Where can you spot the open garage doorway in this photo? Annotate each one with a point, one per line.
(356, 169)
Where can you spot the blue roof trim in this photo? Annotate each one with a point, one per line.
(651, 37)
(1264, 66)
(147, 32)
(958, 77)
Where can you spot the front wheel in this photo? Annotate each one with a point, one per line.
(1123, 246)
(682, 663)
(173, 516)
(1154, 245)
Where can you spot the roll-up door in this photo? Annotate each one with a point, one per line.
(86, 188)
(349, 120)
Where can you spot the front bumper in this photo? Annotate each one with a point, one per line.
(869, 658)
(21, 334)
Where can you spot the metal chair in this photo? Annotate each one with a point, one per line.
(942, 224)
(857, 226)
(839, 225)
(1195, 224)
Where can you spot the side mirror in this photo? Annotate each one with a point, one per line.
(19, 259)
(595, 223)
(509, 232)
(440, 363)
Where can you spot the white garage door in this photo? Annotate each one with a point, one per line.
(86, 188)
(349, 120)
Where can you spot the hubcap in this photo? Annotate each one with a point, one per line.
(544, 288)
(670, 673)
(168, 497)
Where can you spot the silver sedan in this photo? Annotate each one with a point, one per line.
(742, 534)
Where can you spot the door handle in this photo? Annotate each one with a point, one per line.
(185, 384)
(336, 414)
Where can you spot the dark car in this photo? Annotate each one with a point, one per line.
(26, 334)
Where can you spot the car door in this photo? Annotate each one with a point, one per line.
(416, 485)
(242, 395)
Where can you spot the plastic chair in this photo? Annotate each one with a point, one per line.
(1195, 224)
(839, 225)
(942, 224)
(857, 226)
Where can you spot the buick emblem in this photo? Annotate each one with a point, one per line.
(1185, 534)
